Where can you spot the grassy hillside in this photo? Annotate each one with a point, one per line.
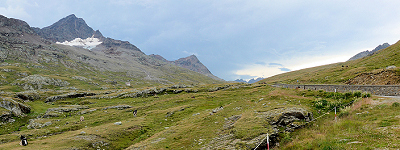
(367, 70)
(182, 117)
(371, 123)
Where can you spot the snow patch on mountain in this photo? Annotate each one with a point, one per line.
(87, 43)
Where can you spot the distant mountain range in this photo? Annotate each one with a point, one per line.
(254, 80)
(71, 28)
(368, 53)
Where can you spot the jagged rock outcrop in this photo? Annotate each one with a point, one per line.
(16, 108)
(288, 118)
(68, 95)
(28, 95)
(368, 53)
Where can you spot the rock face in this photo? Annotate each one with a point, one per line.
(28, 95)
(287, 118)
(368, 53)
(67, 29)
(68, 95)
(17, 109)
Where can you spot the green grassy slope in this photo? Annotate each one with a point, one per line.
(340, 73)
(364, 126)
(164, 121)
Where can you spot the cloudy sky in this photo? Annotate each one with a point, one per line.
(233, 38)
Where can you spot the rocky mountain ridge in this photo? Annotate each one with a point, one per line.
(110, 64)
(71, 28)
(368, 53)
(254, 80)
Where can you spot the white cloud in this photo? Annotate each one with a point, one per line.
(258, 70)
(312, 61)
(14, 9)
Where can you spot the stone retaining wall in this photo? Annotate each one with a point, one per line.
(384, 90)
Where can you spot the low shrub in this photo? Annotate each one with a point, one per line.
(396, 104)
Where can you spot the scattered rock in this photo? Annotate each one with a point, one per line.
(229, 122)
(217, 109)
(196, 114)
(36, 123)
(118, 123)
(81, 78)
(86, 111)
(59, 111)
(33, 82)
(119, 107)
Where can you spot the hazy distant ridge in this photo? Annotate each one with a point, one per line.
(367, 52)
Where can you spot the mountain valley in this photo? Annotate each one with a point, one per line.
(66, 86)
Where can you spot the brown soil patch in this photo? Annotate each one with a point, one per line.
(377, 77)
(389, 100)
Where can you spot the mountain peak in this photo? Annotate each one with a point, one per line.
(71, 16)
(67, 29)
(192, 63)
